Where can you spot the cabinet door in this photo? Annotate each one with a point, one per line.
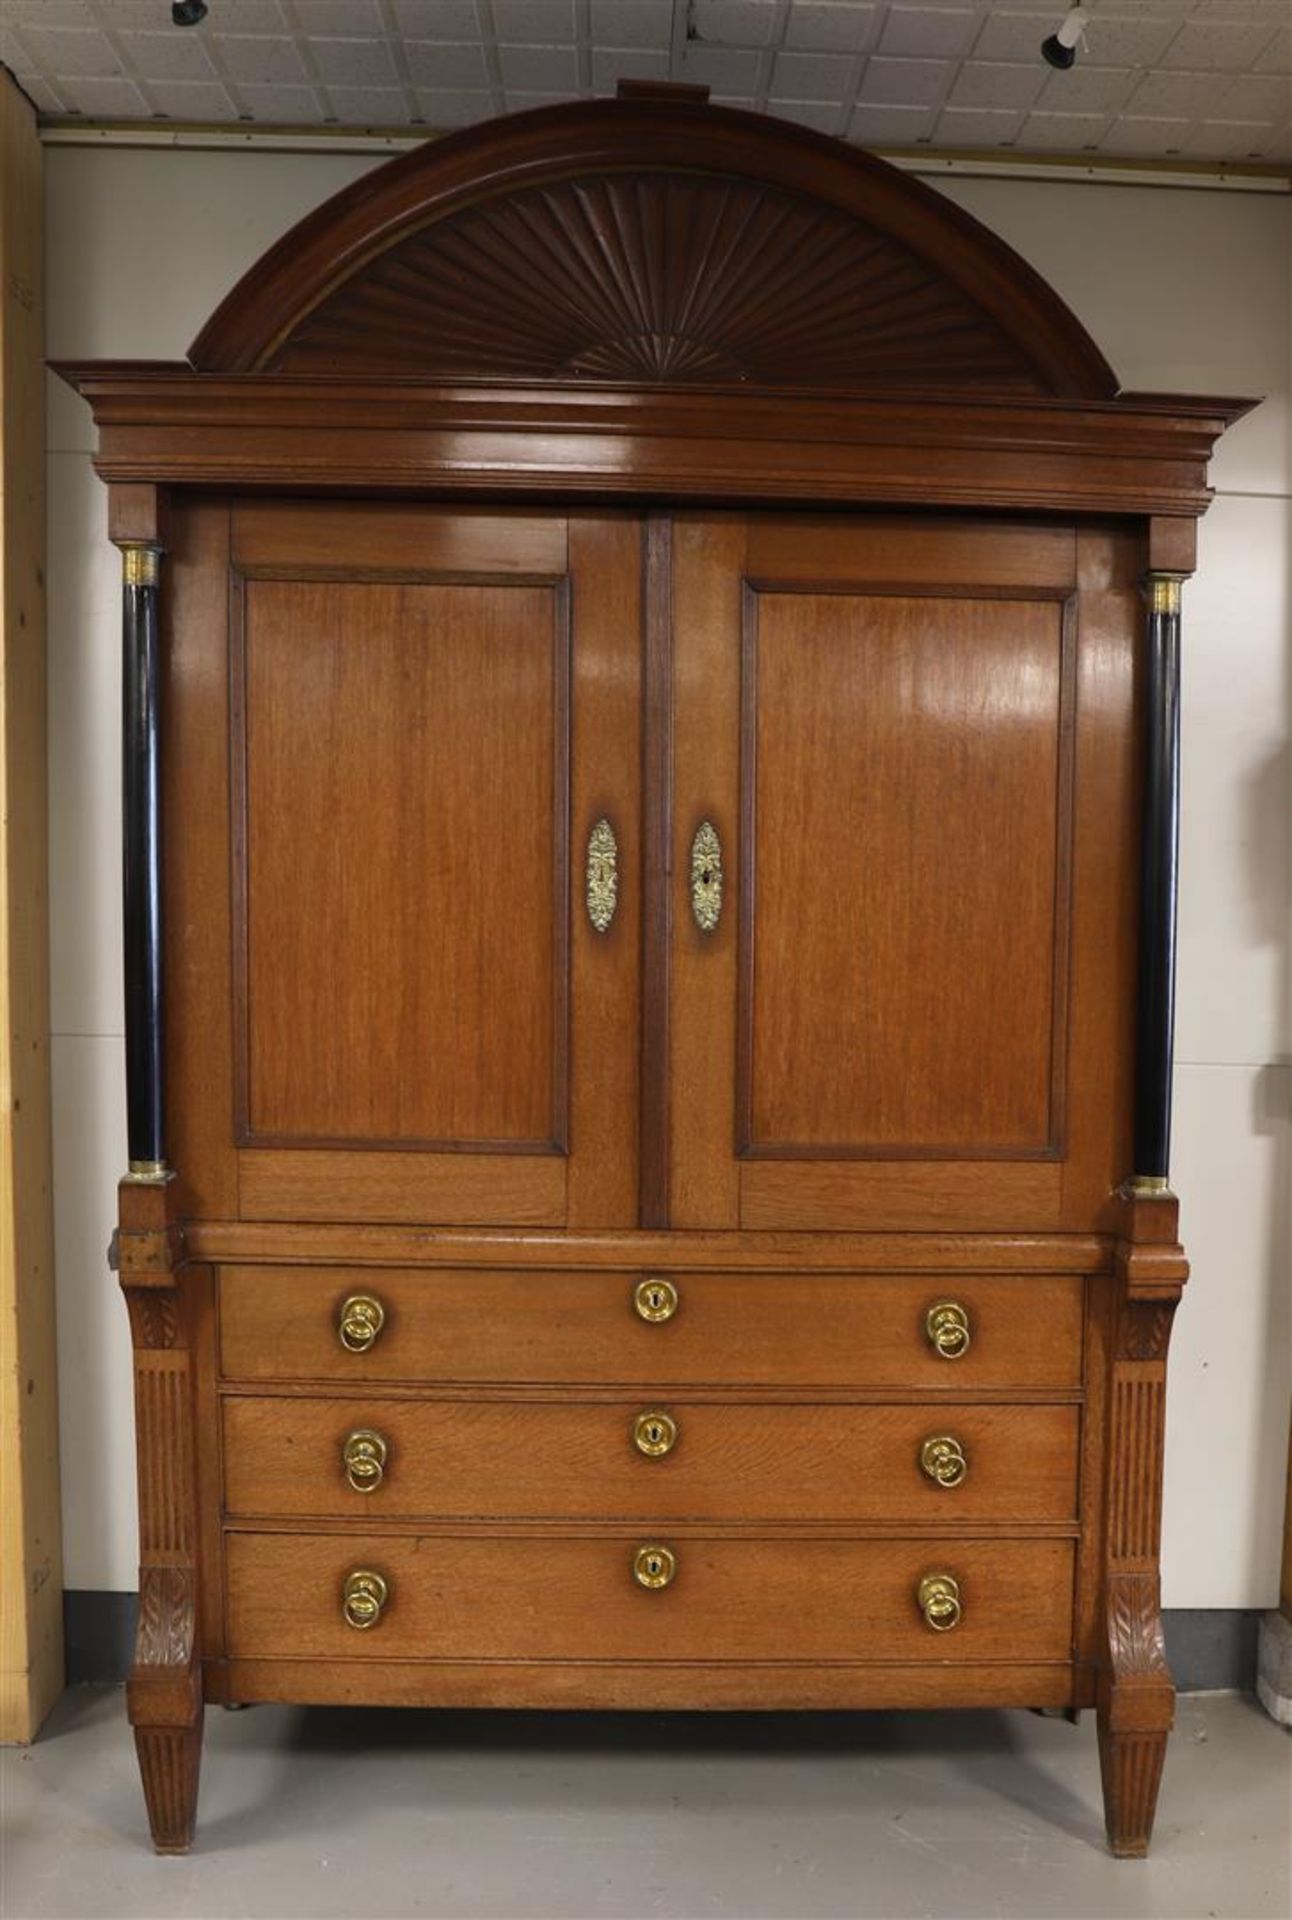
(911, 739)
(427, 712)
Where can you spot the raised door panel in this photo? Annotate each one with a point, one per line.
(410, 969)
(898, 960)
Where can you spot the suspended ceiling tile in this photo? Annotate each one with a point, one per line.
(1086, 89)
(457, 107)
(166, 56)
(1229, 140)
(262, 60)
(76, 53)
(353, 63)
(1172, 96)
(832, 25)
(809, 76)
(930, 32)
(1257, 96)
(292, 105)
(610, 65)
(972, 127)
(1128, 38)
(1157, 138)
(342, 19)
(732, 23)
(446, 66)
(103, 99)
(193, 100)
(540, 69)
(523, 101)
(1064, 132)
(542, 22)
(725, 70)
(884, 126)
(906, 83)
(1016, 36)
(983, 84)
(441, 20)
(633, 23)
(369, 106)
(1225, 42)
(821, 115)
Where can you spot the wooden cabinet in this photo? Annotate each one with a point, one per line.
(649, 898)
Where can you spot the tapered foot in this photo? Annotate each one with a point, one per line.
(170, 1759)
(1131, 1765)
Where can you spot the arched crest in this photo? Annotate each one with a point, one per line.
(656, 243)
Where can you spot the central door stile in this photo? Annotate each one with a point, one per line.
(657, 863)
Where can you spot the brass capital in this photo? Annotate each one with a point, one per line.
(140, 564)
(1163, 591)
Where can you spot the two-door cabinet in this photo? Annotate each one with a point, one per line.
(651, 676)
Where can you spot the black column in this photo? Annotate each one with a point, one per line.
(1155, 1034)
(141, 859)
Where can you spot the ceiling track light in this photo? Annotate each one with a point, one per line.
(1060, 50)
(187, 13)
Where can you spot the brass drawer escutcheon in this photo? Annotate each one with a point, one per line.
(602, 875)
(363, 1598)
(706, 877)
(361, 1319)
(654, 1434)
(947, 1326)
(654, 1567)
(363, 1456)
(655, 1300)
(939, 1598)
(943, 1458)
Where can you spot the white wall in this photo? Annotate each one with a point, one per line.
(1185, 290)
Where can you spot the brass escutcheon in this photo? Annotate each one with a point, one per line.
(363, 1455)
(706, 877)
(363, 1598)
(654, 1434)
(361, 1319)
(943, 1459)
(947, 1326)
(655, 1299)
(601, 877)
(654, 1567)
(939, 1598)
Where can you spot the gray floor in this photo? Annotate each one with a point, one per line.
(370, 1814)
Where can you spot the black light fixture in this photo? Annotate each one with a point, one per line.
(1060, 50)
(187, 13)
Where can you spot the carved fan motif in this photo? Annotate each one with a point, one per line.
(652, 277)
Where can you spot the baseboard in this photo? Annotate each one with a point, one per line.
(1208, 1647)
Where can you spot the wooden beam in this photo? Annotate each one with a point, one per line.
(31, 1581)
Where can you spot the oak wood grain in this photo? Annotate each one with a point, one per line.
(804, 1329)
(499, 1458)
(478, 1597)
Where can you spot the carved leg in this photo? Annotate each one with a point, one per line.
(1136, 1700)
(1136, 1708)
(169, 1761)
(164, 1691)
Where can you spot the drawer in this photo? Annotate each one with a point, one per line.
(537, 1459)
(473, 1597)
(582, 1329)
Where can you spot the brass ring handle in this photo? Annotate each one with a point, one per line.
(947, 1325)
(939, 1598)
(654, 1566)
(363, 1598)
(360, 1320)
(655, 1300)
(363, 1455)
(654, 1434)
(601, 875)
(706, 877)
(943, 1458)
